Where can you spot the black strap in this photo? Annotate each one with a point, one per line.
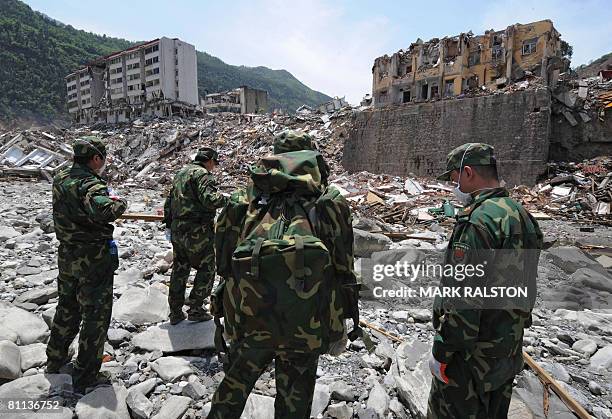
(220, 344)
(255, 258)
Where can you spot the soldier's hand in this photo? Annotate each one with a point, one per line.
(438, 369)
(112, 194)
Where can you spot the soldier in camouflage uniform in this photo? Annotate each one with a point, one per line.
(87, 259)
(263, 303)
(477, 352)
(189, 213)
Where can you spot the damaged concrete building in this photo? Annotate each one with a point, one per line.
(504, 88)
(244, 100)
(452, 65)
(157, 78)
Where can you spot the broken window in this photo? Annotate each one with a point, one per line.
(449, 88)
(406, 96)
(497, 53)
(471, 82)
(474, 58)
(496, 40)
(424, 91)
(409, 68)
(452, 50)
(434, 91)
(529, 46)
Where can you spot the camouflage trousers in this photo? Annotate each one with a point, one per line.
(85, 299)
(295, 373)
(193, 246)
(461, 398)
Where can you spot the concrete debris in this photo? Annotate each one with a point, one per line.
(578, 191)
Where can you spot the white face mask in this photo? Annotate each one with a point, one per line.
(100, 171)
(464, 197)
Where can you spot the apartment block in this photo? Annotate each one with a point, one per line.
(453, 65)
(242, 100)
(158, 77)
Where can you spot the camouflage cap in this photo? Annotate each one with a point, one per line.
(207, 153)
(290, 140)
(89, 146)
(469, 154)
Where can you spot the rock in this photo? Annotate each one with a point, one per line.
(180, 337)
(258, 407)
(28, 327)
(570, 259)
(45, 277)
(169, 368)
(400, 316)
(117, 336)
(412, 377)
(602, 412)
(342, 391)
(602, 358)
(139, 405)
(422, 315)
(519, 410)
(372, 361)
(145, 387)
(598, 322)
(37, 295)
(557, 370)
(104, 402)
(195, 390)
(7, 233)
(126, 278)
(595, 388)
(529, 390)
(320, 399)
(49, 314)
(585, 346)
(366, 243)
(378, 400)
(340, 411)
(605, 261)
(141, 305)
(28, 270)
(173, 408)
(39, 386)
(34, 355)
(10, 360)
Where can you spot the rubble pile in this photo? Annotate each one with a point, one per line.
(173, 371)
(33, 153)
(583, 98)
(578, 191)
(150, 151)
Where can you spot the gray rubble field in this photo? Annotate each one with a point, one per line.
(171, 372)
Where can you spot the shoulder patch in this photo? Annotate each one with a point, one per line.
(460, 251)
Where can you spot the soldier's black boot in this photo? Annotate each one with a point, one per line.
(176, 317)
(198, 314)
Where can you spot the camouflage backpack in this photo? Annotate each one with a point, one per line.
(284, 249)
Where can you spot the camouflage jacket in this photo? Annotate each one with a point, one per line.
(492, 221)
(193, 197)
(82, 209)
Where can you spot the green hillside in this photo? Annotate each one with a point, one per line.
(36, 52)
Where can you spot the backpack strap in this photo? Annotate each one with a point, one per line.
(255, 258)
(299, 262)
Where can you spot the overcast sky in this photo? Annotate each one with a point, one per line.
(328, 45)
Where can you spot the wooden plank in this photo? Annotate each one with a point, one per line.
(560, 391)
(143, 217)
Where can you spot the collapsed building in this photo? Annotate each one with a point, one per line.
(451, 65)
(505, 88)
(157, 78)
(243, 100)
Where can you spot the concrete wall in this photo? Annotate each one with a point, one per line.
(415, 138)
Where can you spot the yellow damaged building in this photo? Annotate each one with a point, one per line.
(452, 65)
